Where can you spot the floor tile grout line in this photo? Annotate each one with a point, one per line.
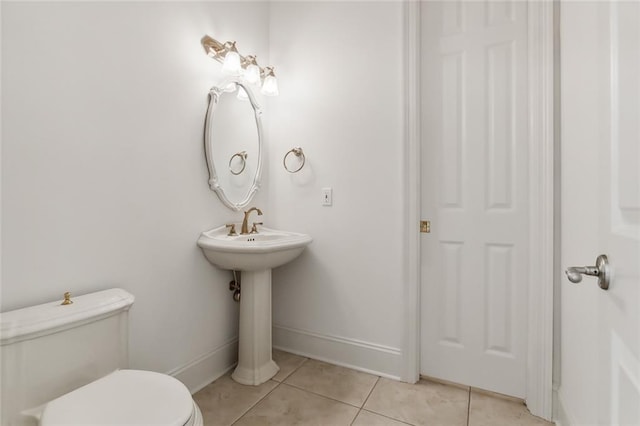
(321, 395)
(371, 391)
(269, 393)
(374, 412)
(355, 417)
(257, 402)
(328, 397)
(388, 417)
(293, 371)
(365, 401)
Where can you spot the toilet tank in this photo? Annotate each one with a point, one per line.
(50, 349)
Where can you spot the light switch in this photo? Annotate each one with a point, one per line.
(327, 196)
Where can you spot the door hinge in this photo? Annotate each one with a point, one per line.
(425, 226)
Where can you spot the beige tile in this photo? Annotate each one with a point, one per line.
(336, 382)
(224, 401)
(487, 410)
(287, 362)
(291, 406)
(424, 403)
(366, 418)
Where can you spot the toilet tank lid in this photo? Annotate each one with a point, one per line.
(34, 321)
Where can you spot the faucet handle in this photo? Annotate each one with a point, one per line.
(254, 228)
(232, 231)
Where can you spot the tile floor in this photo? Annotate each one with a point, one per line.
(309, 392)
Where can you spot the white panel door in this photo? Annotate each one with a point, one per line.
(600, 116)
(475, 192)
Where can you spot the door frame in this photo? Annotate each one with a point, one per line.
(542, 249)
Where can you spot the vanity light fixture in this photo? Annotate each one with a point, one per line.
(237, 65)
(231, 64)
(270, 84)
(252, 73)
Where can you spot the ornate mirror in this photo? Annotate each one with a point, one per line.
(233, 143)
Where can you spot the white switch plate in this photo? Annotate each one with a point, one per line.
(327, 196)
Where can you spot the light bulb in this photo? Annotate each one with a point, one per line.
(252, 74)
(242, 94)
(231, 64)
(270, 86)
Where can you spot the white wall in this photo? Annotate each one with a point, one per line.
(340, 70)
(104, 181)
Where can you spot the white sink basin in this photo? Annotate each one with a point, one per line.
(267, 249)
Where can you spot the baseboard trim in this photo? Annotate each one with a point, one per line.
(358, 355)
(560, 415)
(208, 367)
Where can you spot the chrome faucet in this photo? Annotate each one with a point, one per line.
(245, 228)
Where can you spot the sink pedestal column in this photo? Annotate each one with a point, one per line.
(255, 365)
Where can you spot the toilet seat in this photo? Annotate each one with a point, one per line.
(125, 397)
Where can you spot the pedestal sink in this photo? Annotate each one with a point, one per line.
(255, 255)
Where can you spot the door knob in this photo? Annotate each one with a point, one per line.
(601, 270)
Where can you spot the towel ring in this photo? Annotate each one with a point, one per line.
(243, 158)
(298, 153)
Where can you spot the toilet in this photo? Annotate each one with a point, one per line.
(66, 364)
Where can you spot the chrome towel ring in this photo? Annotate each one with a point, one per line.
(298, 153)
(243, 158)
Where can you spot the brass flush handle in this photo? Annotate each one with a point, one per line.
(67, 299)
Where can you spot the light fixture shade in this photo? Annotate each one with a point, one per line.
(270, 86)
(231, 64)
(252, 74)
(242, 94)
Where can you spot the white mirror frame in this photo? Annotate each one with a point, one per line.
(214, 183)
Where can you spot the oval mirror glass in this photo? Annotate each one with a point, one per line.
(233, 144)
